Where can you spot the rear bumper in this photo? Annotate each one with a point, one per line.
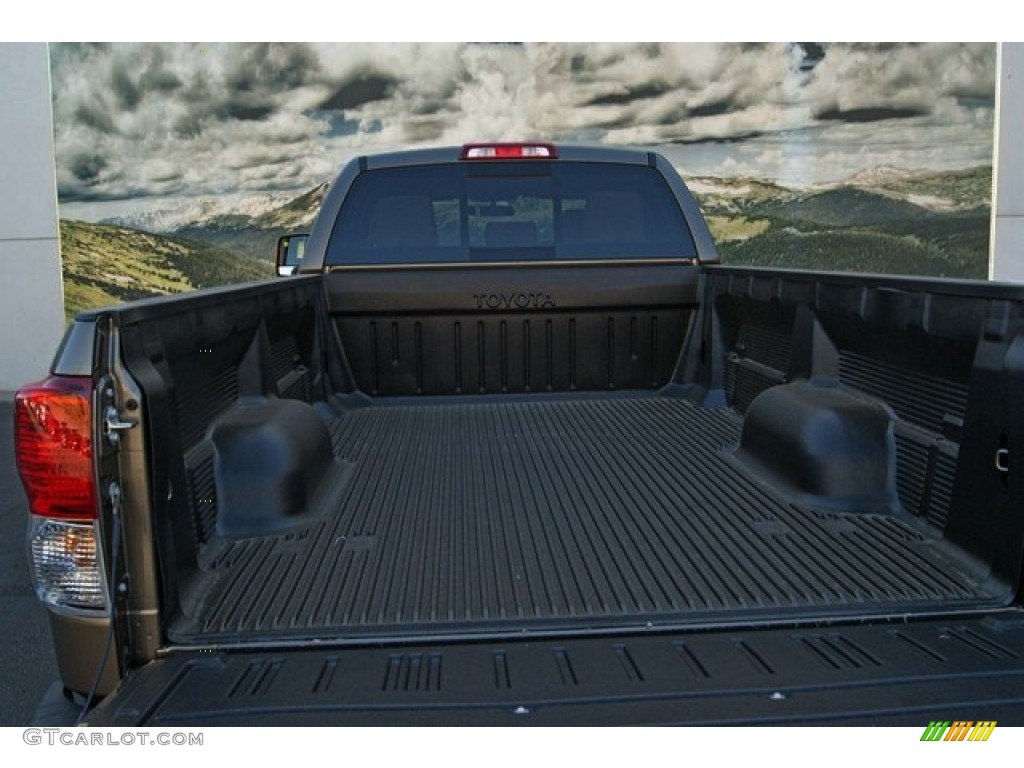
(80, 642)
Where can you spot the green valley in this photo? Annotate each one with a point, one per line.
(104, 265)
(882, 221)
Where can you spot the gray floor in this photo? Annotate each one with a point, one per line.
(491, 517)
(26, 655)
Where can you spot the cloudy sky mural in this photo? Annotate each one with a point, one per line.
(144, 126)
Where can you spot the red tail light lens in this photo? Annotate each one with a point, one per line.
(53, 446)
(508, 152)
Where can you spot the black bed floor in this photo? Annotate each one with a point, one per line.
(558, 514)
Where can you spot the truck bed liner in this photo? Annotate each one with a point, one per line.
(548, 515)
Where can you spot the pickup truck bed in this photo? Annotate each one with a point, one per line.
(623, 511)
(513, 442)
(813, 457)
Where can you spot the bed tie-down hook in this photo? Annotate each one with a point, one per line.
(1003, 460)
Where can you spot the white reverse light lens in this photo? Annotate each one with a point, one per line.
(65, 564)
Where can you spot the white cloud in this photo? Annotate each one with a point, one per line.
(139, 120)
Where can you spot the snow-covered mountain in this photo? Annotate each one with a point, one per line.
(184, 213)
(933, 191)
(251, 228)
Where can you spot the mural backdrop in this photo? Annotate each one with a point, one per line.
(180, 164)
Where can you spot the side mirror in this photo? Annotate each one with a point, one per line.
(290, 250)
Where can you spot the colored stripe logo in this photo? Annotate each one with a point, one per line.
(960, 730)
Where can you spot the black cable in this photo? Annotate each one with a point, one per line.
(115, 546)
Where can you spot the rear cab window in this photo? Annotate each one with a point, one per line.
(509, 211)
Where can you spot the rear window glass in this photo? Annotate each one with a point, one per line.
(532, 211)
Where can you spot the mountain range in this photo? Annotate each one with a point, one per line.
(883, 220)
(250, 231)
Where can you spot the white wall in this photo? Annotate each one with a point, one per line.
(1007, 259)
(31, 292)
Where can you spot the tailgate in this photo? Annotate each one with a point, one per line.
(879, 674)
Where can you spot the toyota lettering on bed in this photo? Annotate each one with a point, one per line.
(514, 300)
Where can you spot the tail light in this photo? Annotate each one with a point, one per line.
(504, 151)
(53, 448)
(53, 445)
